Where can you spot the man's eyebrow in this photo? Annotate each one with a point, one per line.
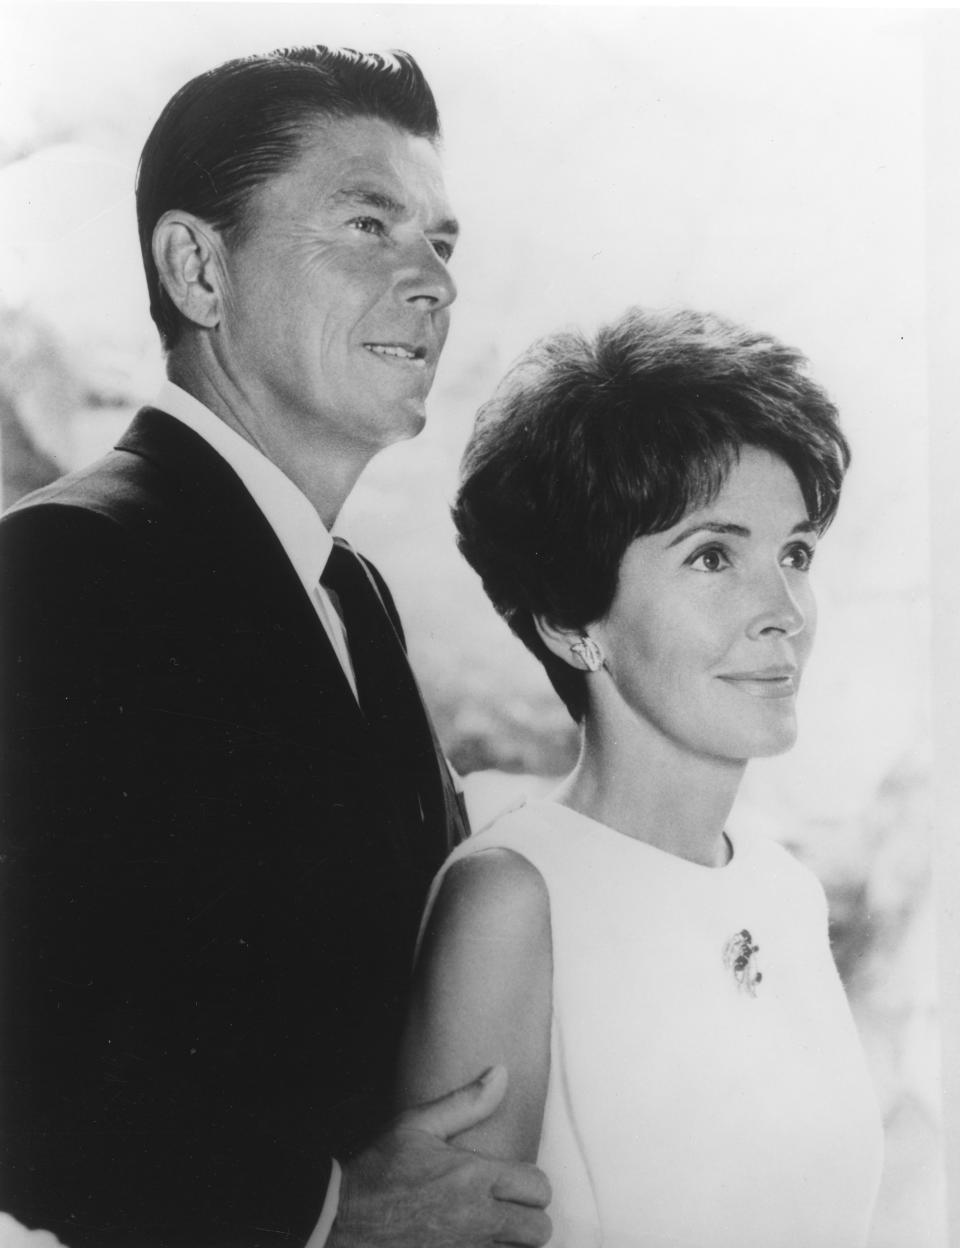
(737, 530)
(380, 200)
(371, 198)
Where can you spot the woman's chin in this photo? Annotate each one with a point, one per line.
(770, 744)
(761, 740)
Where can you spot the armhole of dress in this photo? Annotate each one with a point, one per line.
(467, 849)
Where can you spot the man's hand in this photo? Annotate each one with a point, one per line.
(410, 1189)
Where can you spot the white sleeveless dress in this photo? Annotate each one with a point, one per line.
(703, 1093)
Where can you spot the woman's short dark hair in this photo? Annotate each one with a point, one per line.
(228, 130)
(588, 444)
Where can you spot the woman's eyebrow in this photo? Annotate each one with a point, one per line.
(737, 530)
(709, 526)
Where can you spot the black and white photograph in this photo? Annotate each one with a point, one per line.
(474, 759)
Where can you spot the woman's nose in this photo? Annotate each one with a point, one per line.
(780, 607)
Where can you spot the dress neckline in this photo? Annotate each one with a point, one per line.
(738, 843)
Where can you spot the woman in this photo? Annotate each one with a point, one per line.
(644, 509)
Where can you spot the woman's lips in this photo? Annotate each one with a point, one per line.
(777, 682)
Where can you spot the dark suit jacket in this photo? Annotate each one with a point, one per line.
(213, 866)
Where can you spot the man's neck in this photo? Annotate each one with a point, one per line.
(326, 474)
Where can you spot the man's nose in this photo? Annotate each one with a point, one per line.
(425, 279)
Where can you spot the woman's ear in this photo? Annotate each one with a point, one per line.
(188, 260)
(573, 645)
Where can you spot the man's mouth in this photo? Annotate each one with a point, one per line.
(398, 351)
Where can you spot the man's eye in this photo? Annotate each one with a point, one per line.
(713, 559)
(367, 225)
(799, 556)
(443, 249)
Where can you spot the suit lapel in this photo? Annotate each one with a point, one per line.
(244, 560)
(239, 560)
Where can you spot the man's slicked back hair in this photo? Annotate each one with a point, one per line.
(232, 128)
(589, 443)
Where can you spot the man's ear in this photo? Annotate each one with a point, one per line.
(574, 646)
(187, 254)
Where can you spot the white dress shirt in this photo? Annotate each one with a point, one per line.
(307, 544)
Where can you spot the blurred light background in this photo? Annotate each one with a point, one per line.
(766, 164)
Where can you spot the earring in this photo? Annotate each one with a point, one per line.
(589, 653)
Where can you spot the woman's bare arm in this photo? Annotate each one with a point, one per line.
(482, 997)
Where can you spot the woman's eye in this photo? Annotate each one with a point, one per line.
(713, 559)
(799, 556)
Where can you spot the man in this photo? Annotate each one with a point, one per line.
(223, 799)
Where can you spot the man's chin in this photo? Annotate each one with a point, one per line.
(410, 421)
(406, 423)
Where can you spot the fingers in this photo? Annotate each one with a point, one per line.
(410, 1190)
(523, 1192)
(461, 1109)
(526, 1228)
(522, 1185)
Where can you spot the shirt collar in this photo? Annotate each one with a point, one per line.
(288, 511)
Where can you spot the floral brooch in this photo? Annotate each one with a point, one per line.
(739, 957)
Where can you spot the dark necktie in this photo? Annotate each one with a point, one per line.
(379, 664)
(391, 702)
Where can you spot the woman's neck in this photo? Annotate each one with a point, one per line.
(645, 785)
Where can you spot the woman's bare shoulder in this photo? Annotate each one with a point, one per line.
(495, 887)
